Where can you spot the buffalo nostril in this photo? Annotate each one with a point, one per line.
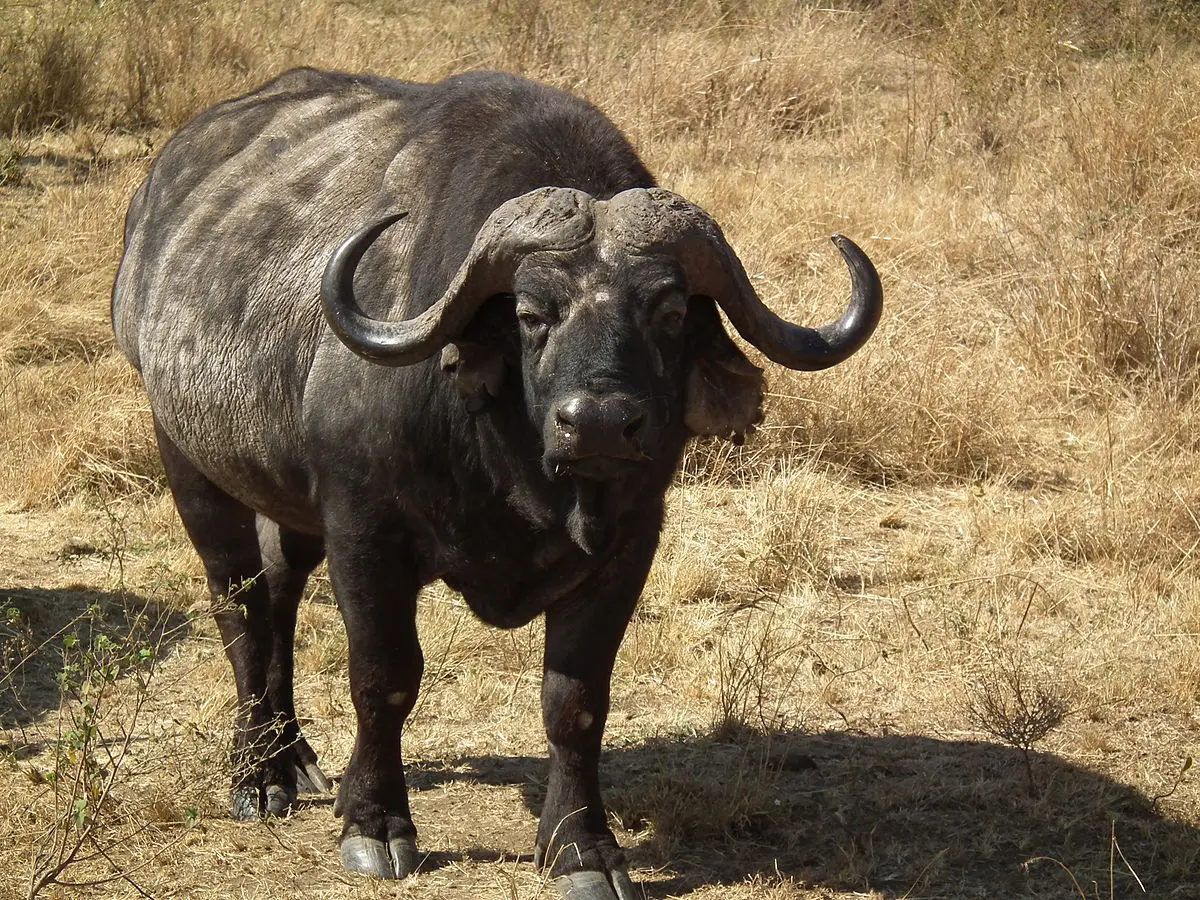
(568, 414)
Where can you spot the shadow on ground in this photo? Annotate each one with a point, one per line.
(38, 624)
(905, 816)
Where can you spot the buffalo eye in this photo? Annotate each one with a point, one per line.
(670, 315)
(534, 322)
(531, 321)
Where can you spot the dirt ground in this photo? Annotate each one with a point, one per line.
(842, 788)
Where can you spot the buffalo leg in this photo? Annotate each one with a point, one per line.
(376, 591)
(226, 537)
(582, 637)
(288, 559)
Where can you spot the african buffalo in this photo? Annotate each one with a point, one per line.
(431, 331)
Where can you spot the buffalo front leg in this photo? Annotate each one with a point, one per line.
(582, 637)
(377, 594)
(255, 595)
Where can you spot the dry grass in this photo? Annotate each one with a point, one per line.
(856, 620)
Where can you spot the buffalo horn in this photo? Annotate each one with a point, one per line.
(657, 220)
(543, 219)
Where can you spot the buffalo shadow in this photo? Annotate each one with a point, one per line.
(900, 815)
(38, 624)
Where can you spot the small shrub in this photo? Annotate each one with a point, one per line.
(1015, 708)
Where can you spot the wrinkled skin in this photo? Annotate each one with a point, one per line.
(522, 457)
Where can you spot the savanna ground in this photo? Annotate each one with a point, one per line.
(934, 632)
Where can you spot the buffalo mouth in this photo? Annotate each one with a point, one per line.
(596, 468)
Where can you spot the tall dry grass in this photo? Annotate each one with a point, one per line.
(998, 493)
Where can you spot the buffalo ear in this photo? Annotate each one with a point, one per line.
(724, 390)
(478, 370)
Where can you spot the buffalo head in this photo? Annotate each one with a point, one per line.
(620, 341)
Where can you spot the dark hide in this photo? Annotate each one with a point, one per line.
(525, 464)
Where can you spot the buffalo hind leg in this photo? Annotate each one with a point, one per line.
(373, 580)
(267, 749)
(288, 558)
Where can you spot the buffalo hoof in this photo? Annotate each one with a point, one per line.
(397, 858)
(279, 800)
(311, 780)
(243, 804)
(251, 803)
(597, 886)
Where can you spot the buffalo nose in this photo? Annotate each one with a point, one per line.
(599, 425)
